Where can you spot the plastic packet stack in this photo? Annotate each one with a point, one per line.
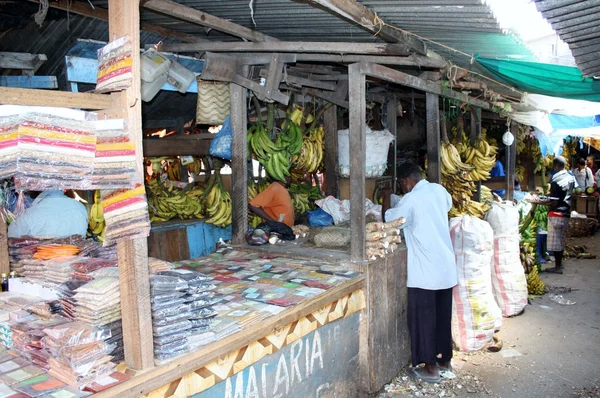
(98, 302)
(54, 152)
(28, 340)
(126, 214)
(59, 269)
(85, 266)
(79, 353)
(114, 164)
(9, 138)
(155, 265)
(170, 317)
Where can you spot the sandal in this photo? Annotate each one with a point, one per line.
(421, 374)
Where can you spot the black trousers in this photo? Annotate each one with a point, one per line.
(430, 325)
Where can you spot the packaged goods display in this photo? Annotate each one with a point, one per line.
(126, 214)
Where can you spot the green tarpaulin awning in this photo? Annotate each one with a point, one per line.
(547, 79)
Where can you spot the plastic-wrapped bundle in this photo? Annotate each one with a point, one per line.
(126, 214)
(475, 314)
(114, 163)
(508, 276)
(9, 138)
(55, 152)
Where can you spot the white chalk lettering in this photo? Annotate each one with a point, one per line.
(263, 377)
(239, 386)
(306, 356)
(252, 387)
(281, 376)
(295, 368)
(316, 351)
(228, 388)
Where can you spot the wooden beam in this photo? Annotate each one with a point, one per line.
(330, 124)
(392, 126)
(239, 163)
(32, 97)
(419, 61)
(179, 367)
(27, 61)
(394, 76)
(178, 145)
(124, 20)
(434, 172)
(357, 13)
(475, 134)
(84, 8)
(358, 146)
(511, 162)
(38, 82)
(290, 47)
(4, 258)
(195, 16)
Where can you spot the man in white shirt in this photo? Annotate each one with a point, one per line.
(431, 271)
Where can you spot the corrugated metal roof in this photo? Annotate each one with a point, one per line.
(577, 23)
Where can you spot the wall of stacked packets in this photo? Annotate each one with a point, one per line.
(46, 148)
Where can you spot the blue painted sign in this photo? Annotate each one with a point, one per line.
(323, 363)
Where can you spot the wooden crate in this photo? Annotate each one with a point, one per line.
(587, 205)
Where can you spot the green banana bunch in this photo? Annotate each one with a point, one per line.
(217, 202)
(166, 203)
(304, 196)
(274, 156)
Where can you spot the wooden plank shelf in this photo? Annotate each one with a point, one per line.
(33, 97)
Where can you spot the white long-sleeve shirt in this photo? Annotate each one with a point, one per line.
(585, 178)
(431, 263)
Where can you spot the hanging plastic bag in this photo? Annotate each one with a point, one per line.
(221, 144)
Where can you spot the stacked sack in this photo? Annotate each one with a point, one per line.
(182, 303)
(508, 276)
(79, 353)
(475, 314)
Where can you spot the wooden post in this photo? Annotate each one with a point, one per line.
(434, 171)
(511, 163)
(475, 134)
(124, 19)
(331, 151)
(239, 163)
(392, 125)
(4, 258)
(358, 146)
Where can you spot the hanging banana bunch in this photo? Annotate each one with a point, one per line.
(96, 223)
(482, 156)
(217, 200)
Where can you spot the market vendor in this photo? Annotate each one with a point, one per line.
(431, 271)
(52, 214)
(274, 203)
(559, 211)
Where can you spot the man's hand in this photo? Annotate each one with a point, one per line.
(259, 211)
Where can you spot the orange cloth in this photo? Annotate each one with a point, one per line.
(276, 200)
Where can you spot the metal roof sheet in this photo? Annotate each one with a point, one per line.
(577, 23)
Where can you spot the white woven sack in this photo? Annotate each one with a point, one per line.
(378, 146)
(475, 314)
(508, 276)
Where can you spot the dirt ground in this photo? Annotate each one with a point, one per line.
(551, 350)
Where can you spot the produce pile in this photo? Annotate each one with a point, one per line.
(462, 165)
(383, 238)
(536, 219)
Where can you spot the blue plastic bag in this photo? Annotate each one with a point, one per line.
(221, 145)
(319, 218)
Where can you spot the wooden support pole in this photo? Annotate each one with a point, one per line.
(331, 151)
(511, 162)
(392, 125)
(124, 19)
(358, 146)
(239, 162)
(434, 171)
(4, 258)
(475, 134)
(189, 14)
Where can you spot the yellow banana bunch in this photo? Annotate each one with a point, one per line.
(482, 156)
(310, 158)
(218, 202)
(96, 223)
(519, 173)
(534, 283)
(166, 203)
(253, 190)
(196, 166)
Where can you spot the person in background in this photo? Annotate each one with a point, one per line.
(590, 162)
(431, 271)
(583, 174)
(52, 214)
(274, 203)
(559, 211)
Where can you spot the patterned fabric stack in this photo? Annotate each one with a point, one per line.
(126, 214)
(114, 166)
(55, 152)
(114, 66)
(9, 126)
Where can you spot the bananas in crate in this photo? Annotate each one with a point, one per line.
(166, 203)
(311, 155)
(274, 158)
(534, 283)
(96, 223)
(217, 202)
